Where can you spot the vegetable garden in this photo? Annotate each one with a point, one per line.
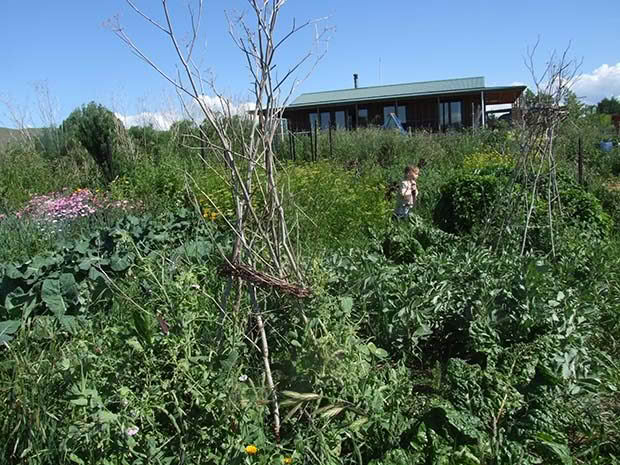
(433, 341)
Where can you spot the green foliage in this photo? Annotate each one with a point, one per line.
(403, 241)
(583, 210)
(417, 347)
(101, 133)
(344, 203)
(66, 281)
(25, 173)
(608, 106)
(466, 200)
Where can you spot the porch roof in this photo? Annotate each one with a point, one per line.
(504, 94)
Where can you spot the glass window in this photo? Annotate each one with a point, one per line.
(443, 115)
(450, 114)
(325, 120)
(387, 111)
(456, 117)
(340, 120)
(313, 120)
(362, 117)
(400, 112)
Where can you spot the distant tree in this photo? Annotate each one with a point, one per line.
(101, 133)
(149, 140)
(608, 106)
(539, 99)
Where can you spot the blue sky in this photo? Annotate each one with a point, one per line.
(65, 45)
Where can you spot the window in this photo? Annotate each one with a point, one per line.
(450, 114)
(400, 112)
(456, 117)
(340, 120)
(362, 117)
(325, 120)
(313, 120)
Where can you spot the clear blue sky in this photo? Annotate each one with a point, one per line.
(65, 44)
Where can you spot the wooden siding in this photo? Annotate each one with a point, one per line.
(421, 112)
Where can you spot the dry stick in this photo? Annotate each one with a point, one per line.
(259, 50)
(266, 363)
(531, 207)
(549, 199)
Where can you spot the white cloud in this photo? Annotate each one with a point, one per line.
(226, 105)
(162, 120)
(603, 82)
(159, 120)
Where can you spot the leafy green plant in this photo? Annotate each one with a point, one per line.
(101, 133)
(465, 201)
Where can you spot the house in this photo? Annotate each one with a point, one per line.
(451, 103)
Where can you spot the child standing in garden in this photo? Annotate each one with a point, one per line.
(407, 193)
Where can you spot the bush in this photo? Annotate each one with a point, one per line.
(101, 133)
(405, 240)
(583, 210)
(465, 201)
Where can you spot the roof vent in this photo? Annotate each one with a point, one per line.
(355, 80)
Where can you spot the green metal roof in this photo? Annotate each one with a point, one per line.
(389, 91)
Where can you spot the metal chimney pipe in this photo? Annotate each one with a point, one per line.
(355, 80)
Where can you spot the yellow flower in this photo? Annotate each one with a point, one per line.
(288, 460)
(213, 216)
(251, 449)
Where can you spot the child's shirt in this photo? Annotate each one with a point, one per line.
(408, 193)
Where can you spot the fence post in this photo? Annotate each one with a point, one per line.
(580, 161)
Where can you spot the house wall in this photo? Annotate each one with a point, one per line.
(422, 112)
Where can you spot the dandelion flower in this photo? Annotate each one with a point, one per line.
(251, 449)
(288, 460)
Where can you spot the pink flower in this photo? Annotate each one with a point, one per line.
(132, 431)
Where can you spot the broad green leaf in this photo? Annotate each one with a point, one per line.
(68, 285)
(12, 272)
(346, 304)
(381, 353)
(560, 451)
(51, 295)
(120, 263)
(8, 329)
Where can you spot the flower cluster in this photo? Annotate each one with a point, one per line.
(59, 206)
(251, 449)
(209, 214)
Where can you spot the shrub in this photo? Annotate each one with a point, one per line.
(583, 210)
(403, 241)
(466, 200)
(101, 133)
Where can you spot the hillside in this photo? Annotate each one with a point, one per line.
(8, 134)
